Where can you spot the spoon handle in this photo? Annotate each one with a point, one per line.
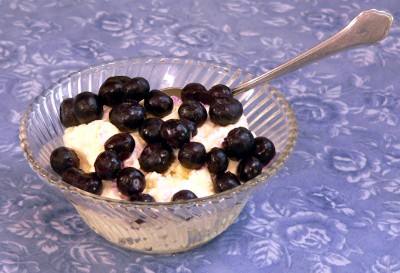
(368, 28)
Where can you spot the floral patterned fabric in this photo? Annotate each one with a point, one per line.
(335, 207)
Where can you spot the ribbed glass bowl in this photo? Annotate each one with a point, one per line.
(157, 227)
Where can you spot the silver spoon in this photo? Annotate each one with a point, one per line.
(367, 28)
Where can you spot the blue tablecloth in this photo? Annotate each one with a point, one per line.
(335, 207)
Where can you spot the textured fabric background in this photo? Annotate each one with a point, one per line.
(335, 207)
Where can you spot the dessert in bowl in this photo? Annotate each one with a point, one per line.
(158, 227)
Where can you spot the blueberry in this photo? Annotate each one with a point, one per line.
(195, 91)
(130, 181)
(127, 116)
(194, 111)
(192, 155)
(175, 133)
(142, 197)
(239, 143)
(220, 91)
(225, 181)
(89, 182)
(122, 144)
(62, 159)
(87, 107)
(122, 79)
(156, 157)
(112, 91)
(139, 221)
(72, 175)
(217, 160)
(225, 111)
(264, 149)
(158, 103)
(67, 113)
(107, 165)
(183, 195)
(249, 168)
(191, 125)
(150, 130)
(137, 89)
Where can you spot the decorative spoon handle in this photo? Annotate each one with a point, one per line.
(368, 28)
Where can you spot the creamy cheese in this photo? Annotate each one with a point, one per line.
(88, 141)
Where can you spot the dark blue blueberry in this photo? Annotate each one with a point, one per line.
(220, 91)
(122, 144)
(264, 149)
(217, 160)
(136, 89)
(158, 103)
(130, 181)
(150, 130)
(127, 116)
(191, 125)
(192, 155)
(67, 113)
(107, 165)
(112, 91)
(225, 181)
(89, 182)
(156, 157)
(183, 195)
(175, 133)
(239, 143)
(195, 91)
(193, 111)
(142, 197)
(249, 168)
(87, 107)
(62, 159)
(224, 111)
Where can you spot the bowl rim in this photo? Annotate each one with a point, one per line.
(272, 168)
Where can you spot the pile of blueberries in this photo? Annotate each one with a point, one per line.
(128, 114)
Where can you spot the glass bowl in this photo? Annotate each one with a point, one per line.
(157, 227)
